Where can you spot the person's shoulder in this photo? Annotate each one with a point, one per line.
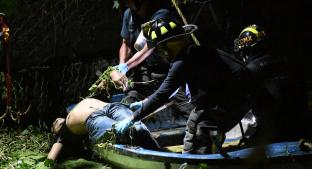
(161, 13)
(127, 13)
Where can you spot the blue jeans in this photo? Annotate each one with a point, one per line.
(102, 120)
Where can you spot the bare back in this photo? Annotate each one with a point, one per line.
(77, 117)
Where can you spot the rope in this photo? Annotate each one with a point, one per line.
(184, 20)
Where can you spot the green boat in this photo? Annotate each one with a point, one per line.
(282, 155)
(273, 156)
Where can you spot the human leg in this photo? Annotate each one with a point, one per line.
(118, 111)
(138, 134)
(142, 136)
(102, 120)
(98, 124)
(202, 134)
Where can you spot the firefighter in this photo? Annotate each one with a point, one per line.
(148, 66)
(223, 88)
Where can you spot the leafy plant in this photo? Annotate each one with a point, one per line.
(108, 139)
(11, 110)
(23, 148)
(8, 6)
(104, 84)
(116, 4)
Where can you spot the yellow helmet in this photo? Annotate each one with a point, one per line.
(249, 37)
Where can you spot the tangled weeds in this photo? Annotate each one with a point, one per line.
(105, 85)
(23, 148)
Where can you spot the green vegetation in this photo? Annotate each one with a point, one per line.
(116, 4)
(28, 148)
(23, 148)
(82, 163)
(12, 110)
(105, 85)
(7, 6)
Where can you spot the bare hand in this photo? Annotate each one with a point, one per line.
(119, 79)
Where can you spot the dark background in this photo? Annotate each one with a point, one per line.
(59, 47)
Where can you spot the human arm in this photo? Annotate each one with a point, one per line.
(118, 77)
(124, 52)
(139, 56)
(125, 48)
(173, 80)
(135, 60)
(55, 151)
(52, 156)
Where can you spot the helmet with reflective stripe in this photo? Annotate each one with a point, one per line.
(161, 30)
(249, 37)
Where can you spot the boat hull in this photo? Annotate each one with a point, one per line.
(278, 155)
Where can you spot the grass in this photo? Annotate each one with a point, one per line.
(27, 148)
(23, 148)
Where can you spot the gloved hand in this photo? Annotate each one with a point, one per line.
(123, 68)
(136, 105)
(122, 126)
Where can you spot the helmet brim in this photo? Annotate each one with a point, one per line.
(188, 29)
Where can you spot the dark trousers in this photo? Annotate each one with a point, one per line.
(202, 136)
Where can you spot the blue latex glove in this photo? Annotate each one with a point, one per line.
(122, 126)
(136, 105)
(123, 68)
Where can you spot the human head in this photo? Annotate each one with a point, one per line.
(61, 132)
(250, 40)
(167, 35)
(139, 7)
(57, 125)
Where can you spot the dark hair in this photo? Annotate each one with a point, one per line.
(66, 136)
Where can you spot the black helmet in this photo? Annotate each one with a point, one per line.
(161, 30)
(249, 37)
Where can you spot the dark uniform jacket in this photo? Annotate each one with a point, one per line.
(218, 84)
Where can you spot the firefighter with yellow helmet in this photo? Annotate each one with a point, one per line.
(223, 88)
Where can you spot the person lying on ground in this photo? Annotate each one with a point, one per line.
(93, 118)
